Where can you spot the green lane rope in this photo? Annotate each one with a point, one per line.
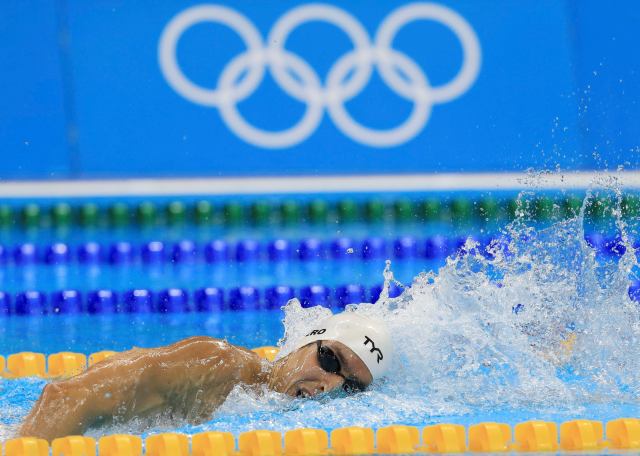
(203, 212)
(176, 213)
(375, 210)
(571, 206)
(31, 215)
(6, 216)
(404, 210)
(119, 214)
(430, 210)
(460, 209)
(291, 212)
(146, 213)
(233, 213)
(61, 215)
(261, 212)
(318, 211)
(89, 215)
(348, 211)
(544, 208)
(487, 209)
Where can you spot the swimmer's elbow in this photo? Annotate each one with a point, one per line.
(69, 395)
(54, 415)
(53, 393)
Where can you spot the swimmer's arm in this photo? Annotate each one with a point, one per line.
(129, 384)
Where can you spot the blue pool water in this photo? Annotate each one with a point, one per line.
(480, 337)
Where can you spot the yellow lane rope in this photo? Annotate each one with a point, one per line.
(530, 436)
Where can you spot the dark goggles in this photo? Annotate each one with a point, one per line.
(329, 362)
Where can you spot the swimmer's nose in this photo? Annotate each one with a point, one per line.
(324, 385)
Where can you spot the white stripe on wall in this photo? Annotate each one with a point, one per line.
(318, 184)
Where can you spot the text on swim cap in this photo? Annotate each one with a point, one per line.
(316, 332)
(373, 348)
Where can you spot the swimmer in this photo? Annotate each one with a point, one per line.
(191, 378)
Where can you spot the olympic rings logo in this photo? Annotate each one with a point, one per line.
(346, 78)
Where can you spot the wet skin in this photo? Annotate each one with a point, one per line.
(188, 380)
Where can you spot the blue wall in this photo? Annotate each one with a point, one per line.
(33, 139)
(607, 66)
(84, 95)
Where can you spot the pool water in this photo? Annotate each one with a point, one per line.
(479, 337)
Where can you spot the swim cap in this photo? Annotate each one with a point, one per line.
(367, 337)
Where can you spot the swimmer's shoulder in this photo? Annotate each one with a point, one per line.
(217, 357)
(194, 349)
(205, 347)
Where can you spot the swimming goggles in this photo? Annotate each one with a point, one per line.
(329, 362)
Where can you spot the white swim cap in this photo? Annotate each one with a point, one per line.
(367, 337)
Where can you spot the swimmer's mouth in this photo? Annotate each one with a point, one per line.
(302, 393)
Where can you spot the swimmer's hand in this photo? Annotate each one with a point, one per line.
(190, 378)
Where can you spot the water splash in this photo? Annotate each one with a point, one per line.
(536, 322)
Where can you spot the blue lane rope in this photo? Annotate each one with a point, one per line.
(277, 250)
(206, 299)
(176, 300)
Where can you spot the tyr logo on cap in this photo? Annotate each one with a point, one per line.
(374, 349)
(316, 332)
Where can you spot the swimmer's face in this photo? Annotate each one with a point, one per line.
(320, 367)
